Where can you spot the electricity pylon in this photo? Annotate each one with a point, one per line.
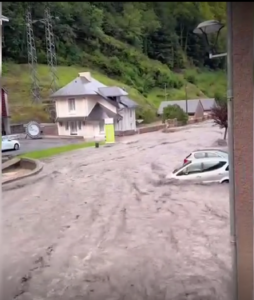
(51, 60)
(51, 50)
(32, 58)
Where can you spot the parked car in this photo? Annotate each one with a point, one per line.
(205, 153)
(204, 170)
(9, 144)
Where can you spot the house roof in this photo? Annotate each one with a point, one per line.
(100, 112)
(87, 85)
(127, 102)
(112, 91)
(79, 87)
(208, 103)
(191, 105)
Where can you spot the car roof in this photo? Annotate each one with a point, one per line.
(205, 150)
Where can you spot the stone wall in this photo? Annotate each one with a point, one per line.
(49, 129)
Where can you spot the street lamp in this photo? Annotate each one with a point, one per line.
(213, 27)
(210, 27)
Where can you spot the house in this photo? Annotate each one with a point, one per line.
(6, 129)
(193, 107)
(84, 103)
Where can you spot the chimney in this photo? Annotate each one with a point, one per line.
(86, 76)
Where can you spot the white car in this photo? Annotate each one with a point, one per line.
(206, 170)
(205, 153)
(9, 144)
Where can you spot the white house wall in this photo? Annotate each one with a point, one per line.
(62, 108)
(88, 129)
(128, 121)
(93, 100)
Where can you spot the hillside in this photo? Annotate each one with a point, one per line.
(146, 47)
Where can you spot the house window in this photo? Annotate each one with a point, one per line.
(101, 125)
(79, 125)
(73, 127)
(66, 125)
(71, 104)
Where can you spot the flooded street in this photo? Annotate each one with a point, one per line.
(104, 224)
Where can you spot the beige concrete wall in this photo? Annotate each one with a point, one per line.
(242, 55)
(62, 108)
(94, 99)
(199, 111)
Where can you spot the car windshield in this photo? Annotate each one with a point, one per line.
(184, 165)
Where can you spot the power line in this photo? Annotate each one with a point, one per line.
(32, 58)
(51, 60)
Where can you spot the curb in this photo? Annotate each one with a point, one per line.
(186, 127)
(38, 168)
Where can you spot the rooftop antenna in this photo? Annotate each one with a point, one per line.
(32, 58)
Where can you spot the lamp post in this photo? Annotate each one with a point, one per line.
(210, 27)
(214, 27)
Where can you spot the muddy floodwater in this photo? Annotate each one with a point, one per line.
(104, 224)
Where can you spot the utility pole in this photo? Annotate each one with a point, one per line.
(186, 98)
(32, 58)
(165, 92)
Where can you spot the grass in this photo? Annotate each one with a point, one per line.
(45, 153)
(16, 80)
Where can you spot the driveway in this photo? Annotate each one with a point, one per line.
(28, 145)
(104, 224)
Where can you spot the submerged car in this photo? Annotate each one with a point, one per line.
(9, 144)
(206, 170)
(205, 153)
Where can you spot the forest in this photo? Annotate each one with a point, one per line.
(145, 45)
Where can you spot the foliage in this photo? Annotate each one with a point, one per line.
(98, 33)
(175, 112)
(220, 98)
(219, 114)
(140, 44)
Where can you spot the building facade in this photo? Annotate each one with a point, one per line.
(240, 55)
(6, 129)
(84, 104)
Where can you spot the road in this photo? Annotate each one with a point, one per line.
(28, 145)
(104, 224)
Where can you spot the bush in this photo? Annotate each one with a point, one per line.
(146, 114)
(191, 77)
(174, 112)
(220, 98)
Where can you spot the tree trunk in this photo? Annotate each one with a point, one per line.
(225, 133)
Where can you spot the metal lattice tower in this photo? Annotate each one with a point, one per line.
(32, 58)
(51, 51)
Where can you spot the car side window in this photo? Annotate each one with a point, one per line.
(212, 154)
(227, 168)
(191, 169)
(211, 166)
(200, 155)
